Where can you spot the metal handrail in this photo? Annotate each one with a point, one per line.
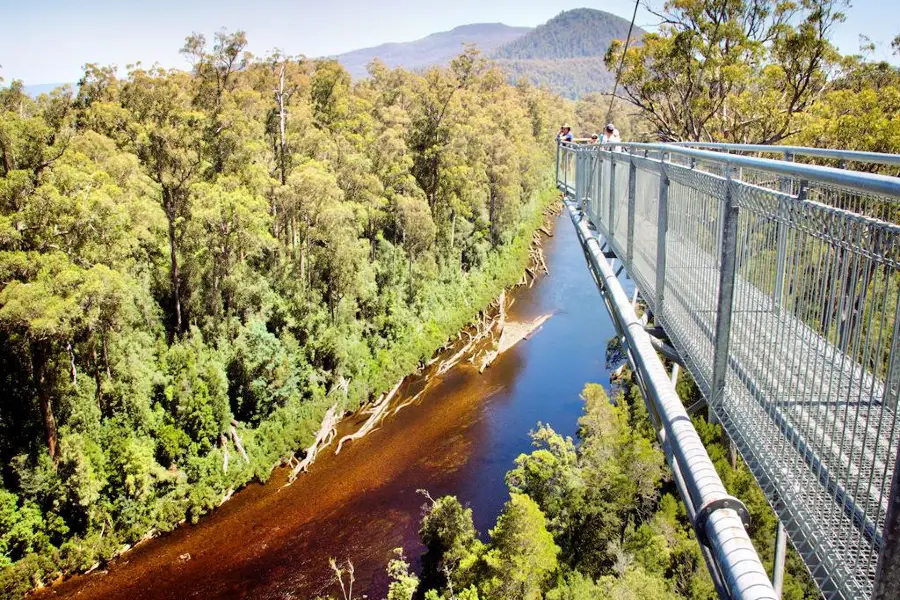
(779, 286)
(829, 153)
(883, 185)
(717, 516)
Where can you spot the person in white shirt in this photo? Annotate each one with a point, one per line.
(610, 135)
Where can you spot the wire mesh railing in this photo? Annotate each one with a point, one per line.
(779, 285)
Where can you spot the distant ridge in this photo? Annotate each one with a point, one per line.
(435, 49)
(566, 53)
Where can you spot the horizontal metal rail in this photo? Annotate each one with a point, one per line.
(851, 180)
(877, 158)
(778, 284)
(717, 516)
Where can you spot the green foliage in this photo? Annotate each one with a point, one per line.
(861, 111)
(403, 583)
(741, 71)
(189, 262)
(588, 521)
(521, 555)
(450, 538)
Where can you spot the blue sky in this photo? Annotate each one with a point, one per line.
(48, 41)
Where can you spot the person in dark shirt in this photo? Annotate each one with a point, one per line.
(565, 134)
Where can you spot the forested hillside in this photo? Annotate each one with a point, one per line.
(566, 53)
(194, 264)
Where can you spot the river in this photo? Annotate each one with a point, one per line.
(464, 433)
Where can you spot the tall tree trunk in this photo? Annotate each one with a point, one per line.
(304, 249)
(452, 228)
(98, 381)
(169, 204)
(410, 278)
(282, 156)
(38, 370)
(371, 236)
(493, 218)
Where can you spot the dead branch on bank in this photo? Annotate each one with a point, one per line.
(238, 443)
(483, 329)
(324, 437)
(326, 434)
(377, 414)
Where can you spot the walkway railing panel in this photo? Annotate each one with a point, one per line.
(784, 306)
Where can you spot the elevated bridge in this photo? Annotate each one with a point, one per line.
(776, 283)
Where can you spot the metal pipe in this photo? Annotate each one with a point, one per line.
(718, 518)
(780, 553)
(865, 182)
(830, 153)
(667, 351)
(714, 571)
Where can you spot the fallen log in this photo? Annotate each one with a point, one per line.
(324, 437)
(546, 232)
(223, 443)
(238, 443)
(513, 333)
(411, 400)
(373, 420)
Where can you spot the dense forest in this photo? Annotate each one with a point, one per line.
(195, 265)
(595, 518)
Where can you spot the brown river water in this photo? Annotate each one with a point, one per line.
(460, 438)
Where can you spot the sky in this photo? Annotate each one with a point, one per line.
(48, 41)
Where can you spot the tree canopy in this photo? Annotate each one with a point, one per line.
(190, 261)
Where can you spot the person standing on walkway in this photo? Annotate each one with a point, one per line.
(565, 134)
(610, 135)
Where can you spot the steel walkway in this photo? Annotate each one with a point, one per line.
(779, 285)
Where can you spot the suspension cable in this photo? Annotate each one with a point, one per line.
(622, 60)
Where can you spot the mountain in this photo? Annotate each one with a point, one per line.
(566, 53)
(435, 49)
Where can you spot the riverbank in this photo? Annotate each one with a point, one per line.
(294, 425)
(459, 438)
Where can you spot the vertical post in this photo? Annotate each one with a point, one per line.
(578, 178)
(612, 196)
(584, 183)
(558, 152)
(598, 190)
(781, 234)
(632, 185)
(586, 167)
(565, 168)
(887, 574)
(728, 264)
(662, 228)
(780, 552)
